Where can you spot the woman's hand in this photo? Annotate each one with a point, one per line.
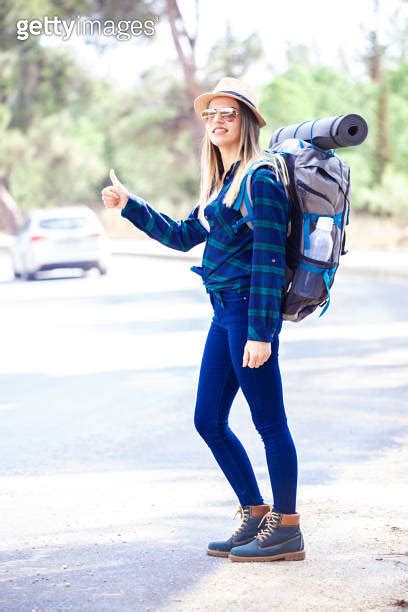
(256, 353)
(115, 195)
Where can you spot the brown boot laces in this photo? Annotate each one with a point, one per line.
(245, 514)
(272, 521)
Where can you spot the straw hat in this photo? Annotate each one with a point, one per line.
(231, 88)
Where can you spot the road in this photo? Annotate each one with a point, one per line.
(108, 493)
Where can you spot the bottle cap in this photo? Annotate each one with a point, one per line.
(325, 223)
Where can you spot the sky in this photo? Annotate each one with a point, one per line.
(332, 28)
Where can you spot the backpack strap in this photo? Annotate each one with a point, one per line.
(243, 200)
(327, 275)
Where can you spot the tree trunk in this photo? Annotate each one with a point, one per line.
(185, 47)
(376, 72)
(10, 215)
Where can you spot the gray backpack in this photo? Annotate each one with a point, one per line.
(317, 184)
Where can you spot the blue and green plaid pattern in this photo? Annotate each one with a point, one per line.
(240, 260)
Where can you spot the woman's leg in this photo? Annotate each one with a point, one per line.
(217, 388)
(262, 388)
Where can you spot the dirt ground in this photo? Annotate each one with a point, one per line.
(356, 551)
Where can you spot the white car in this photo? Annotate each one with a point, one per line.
(60, 237)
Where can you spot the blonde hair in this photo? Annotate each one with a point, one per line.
(248, 151)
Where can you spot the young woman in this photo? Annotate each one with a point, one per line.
(243, 271)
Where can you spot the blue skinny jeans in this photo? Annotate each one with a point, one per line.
(221, 375)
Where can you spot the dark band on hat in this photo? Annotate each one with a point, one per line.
(236, 94)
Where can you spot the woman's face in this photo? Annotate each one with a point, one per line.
(222, 132)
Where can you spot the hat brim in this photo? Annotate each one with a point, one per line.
(202, 101)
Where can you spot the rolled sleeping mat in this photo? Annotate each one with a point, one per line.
(327, 133)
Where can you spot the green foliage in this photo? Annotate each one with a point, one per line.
(389, 197)
(398, 120)
(62, 163)
(150, 143)
(61, 129)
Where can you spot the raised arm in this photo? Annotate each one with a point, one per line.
(270, 222)
(181, 235)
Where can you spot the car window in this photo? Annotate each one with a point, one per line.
(62, 223)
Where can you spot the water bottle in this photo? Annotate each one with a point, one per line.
(310, 284)
(321, 241)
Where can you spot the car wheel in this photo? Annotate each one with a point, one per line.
(16, 274)
(102, 270)
(29, 276)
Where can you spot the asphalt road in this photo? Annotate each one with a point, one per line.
(108, 493)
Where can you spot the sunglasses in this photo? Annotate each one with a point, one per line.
(229, 113)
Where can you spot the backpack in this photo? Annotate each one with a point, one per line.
(317, 184)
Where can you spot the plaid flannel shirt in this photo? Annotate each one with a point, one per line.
(245, 259)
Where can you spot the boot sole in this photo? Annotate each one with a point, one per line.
(217, 553)
(292, 556)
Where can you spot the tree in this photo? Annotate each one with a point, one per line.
(38, 81)
(185, 44)
(375, 64)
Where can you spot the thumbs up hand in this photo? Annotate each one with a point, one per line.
(115, 195)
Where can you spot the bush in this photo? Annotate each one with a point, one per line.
(389, 198)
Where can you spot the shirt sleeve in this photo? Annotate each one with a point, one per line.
(270, 223)
(181, 235)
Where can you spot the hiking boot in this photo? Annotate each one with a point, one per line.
(251, 517)
(281, 538)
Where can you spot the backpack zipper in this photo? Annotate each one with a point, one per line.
(310, 190)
